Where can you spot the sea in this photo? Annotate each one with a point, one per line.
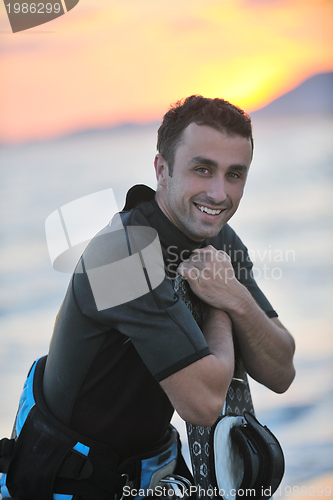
(285, 220)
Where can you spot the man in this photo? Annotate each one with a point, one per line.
(115, 373)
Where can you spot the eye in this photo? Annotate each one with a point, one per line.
(202, 170)
(234, 175)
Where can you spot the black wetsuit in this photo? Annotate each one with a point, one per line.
(104, 366)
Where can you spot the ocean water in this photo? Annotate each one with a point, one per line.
(285, 219)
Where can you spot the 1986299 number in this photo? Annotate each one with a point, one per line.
(34, 8)
(304, 491)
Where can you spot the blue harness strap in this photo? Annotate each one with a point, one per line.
(26, 403)
(156, 468)
(55, 463)
(27, 400)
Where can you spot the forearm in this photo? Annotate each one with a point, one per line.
(217, 330)
(266, 347)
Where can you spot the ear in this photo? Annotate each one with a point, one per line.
(161, 170)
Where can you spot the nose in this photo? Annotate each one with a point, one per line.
(217, 190)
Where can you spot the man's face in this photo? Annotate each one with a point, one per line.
(207, 183)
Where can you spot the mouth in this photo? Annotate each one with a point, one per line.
(210, 211)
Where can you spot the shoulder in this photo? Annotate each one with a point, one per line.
(127, 233)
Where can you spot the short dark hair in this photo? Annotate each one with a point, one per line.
(217, 113)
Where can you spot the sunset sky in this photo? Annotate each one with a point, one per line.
(108, 62)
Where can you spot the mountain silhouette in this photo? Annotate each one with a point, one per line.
(315, 95)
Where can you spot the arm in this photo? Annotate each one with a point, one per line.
(266, 347)
(198, 391)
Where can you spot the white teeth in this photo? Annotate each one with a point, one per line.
(208, 210)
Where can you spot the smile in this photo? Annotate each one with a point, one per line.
(208, 210)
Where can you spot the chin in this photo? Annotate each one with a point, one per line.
(205, 233)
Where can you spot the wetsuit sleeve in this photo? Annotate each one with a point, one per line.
(228, 241)
(158, 323)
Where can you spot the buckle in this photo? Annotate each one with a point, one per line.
(126, 484)
(181, 481)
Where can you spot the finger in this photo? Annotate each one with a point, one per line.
(224, 255)
(201, 265)
(203, 254)
(188, 271)
(208, 254)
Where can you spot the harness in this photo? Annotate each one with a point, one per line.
(45, 460)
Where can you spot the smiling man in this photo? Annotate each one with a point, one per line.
(115, 374)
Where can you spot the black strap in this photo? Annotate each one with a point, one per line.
(6, 450)
(262, 455)
(75, 466)
(95, 476)
(6, 447)
(271, 449)
(250, 456)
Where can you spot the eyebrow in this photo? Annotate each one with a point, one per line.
(241, 167)
(204, 161)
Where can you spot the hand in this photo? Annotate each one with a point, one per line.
(211, 277)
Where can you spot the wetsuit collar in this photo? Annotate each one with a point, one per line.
(176, 246)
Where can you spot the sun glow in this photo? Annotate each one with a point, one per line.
(106, 63)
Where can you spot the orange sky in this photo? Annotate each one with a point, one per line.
(113, 61)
